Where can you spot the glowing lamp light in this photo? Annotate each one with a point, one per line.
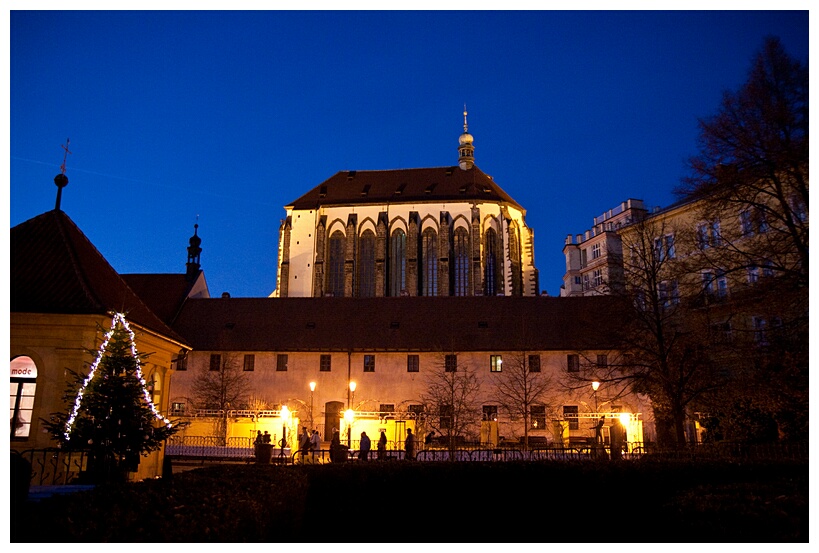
(312, 386)
(352, 386)
(625, 419)
(595, 385)
(285, 413)
(349, 415)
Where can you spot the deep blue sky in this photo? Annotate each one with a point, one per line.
(229, 116)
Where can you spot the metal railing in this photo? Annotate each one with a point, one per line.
(55, 467)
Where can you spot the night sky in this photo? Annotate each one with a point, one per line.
(225, 117)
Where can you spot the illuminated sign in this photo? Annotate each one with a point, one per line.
(22, 367)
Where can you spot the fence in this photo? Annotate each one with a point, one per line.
(54, 467)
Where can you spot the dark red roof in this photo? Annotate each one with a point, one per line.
(56, 269)
(401, 324)
(433, 184)
(164, 294)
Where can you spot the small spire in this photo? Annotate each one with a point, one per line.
(466, 151)
(61, 180)
(194, 251)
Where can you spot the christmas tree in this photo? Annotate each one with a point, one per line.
(112, 413)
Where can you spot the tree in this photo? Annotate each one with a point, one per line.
(451, 399)
(111, 411)
(222, 386)
(753, 168)
(520, 386)
(666, 343)
(754, 159)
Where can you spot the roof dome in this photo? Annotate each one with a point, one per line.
(465, 138)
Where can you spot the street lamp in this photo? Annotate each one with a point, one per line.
(595, 385)
(312, 389)
(285, 415)
(352, 391)
(349, 414)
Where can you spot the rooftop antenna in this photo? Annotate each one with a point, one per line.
(61, 180)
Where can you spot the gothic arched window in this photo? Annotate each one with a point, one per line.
(429, 260)
(335, 276)
(366, 265)
(398, 263)
(461, 255)
(490, 267)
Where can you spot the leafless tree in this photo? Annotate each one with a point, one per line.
(451, 398)
(521, 385)
(221, 389)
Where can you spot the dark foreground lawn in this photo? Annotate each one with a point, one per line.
(437, 502)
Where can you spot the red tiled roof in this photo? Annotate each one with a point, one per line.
(400, 324)
(434, 184)
(56, 269)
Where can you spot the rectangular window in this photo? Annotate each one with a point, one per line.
(177, 409)
(583, 258)
(490, 413)
(721, 333)
(602, 360)
(281, 362)
(753, 274)
(250, 362)
(597, 278)
(22, 406)
(702, 236)
(596, 251)
(415, 411)
(570, 415)
(668, 293)
(451, 363)
(369, 363)
(325, 363)
(445, 416)
(716, 237)
(746, 223)
(182, 364)
(534, 363)
(386, 410)
(537, 417)
(722, 284)
(670, 248)
(586, 282)
(215, 361)
(412, 363)
(495, 363)
(573, 363)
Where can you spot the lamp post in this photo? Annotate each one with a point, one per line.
(351, 391)
(312, 389)
(348, 416)
(595, 385)
(285, 415)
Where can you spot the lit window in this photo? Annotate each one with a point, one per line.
(23, 376)
(495, 363)
(537, 417)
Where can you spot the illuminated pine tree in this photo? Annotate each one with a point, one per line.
(111, 411)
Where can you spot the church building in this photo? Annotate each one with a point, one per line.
(438, 231)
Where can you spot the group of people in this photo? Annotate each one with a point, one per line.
(309, 444)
